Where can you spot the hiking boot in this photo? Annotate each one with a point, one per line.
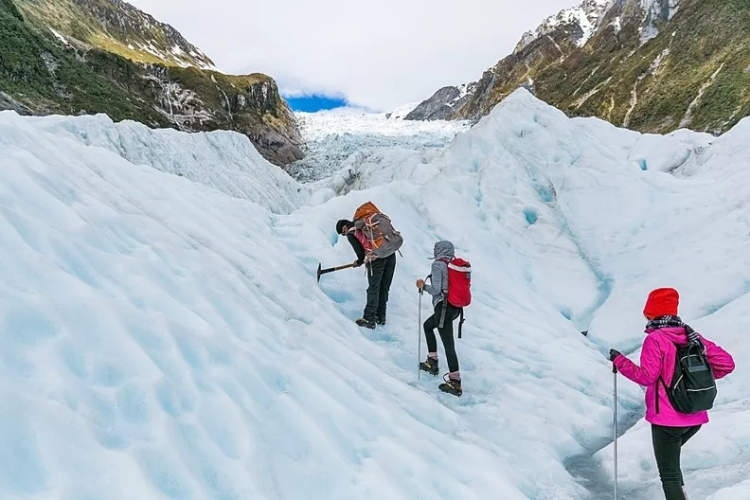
(380, 318)
(365, 323)
(451, 386)
(430, 365)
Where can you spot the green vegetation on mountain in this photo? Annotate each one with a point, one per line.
(43, 77)
(72, 71)
(695, 73)
(643, 70)
(117, 27)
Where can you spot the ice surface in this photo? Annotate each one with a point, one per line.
(164, 337)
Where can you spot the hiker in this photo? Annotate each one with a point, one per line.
(442, 318)
(375, 242)
(670, 429)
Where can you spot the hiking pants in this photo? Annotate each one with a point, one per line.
(379, 278)
(668, 442)
(446, 332)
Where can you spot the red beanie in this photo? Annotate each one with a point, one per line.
(661, 302)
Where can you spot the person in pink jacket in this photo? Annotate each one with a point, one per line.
(670, 429)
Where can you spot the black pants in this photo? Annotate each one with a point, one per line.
(379, 278)
(668, 442)
(446, 332)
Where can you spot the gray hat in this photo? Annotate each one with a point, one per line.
(443, 250)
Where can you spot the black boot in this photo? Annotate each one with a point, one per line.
(451, 386)
(365, 323)
(430, 365)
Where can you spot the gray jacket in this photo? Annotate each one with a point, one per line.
(438, 287)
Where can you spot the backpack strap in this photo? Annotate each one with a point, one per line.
(656, 386)
(446, 262)
(369, 228)
(661, 379)
(441, 323)
(461, 322)
(443, 312)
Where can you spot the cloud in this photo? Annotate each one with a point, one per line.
(376, 54)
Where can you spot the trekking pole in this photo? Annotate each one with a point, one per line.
(419, 338)
(614, 423)
(332, 269)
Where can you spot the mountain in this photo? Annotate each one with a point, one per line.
(443, 104)
(650, 65)
(105, 56)
(118, 27)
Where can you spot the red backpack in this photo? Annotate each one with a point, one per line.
(459, 285)
(459, 282)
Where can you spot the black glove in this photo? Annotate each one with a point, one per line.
(613, 353)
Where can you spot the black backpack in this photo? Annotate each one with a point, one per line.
(693, 387)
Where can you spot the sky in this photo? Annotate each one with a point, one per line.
(314, 102)
(163, 330)
(378, 55)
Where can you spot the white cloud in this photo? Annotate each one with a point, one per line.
(377, 54)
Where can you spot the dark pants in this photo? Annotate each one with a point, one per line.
(668, 442)
(379, 278)
(446, 332)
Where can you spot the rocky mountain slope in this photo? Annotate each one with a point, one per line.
(118, 27)
(651, 65)
(105, 56)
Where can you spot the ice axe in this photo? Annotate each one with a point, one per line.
(332, 269)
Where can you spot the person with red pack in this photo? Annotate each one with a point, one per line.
(448, 299)
(670, 428)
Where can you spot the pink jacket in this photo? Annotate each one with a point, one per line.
(658, 358)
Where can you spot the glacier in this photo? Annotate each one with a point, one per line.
(164, 336)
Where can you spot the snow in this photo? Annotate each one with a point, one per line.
(359, 121)
(688, 117)
(149, 47)
(588, 16)
(401, 111)
(348, 148)
(60, 37)
(225, 161)
(654, 6)
(464, 89)
(617, 24)
(653, 10)
(165, 333)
